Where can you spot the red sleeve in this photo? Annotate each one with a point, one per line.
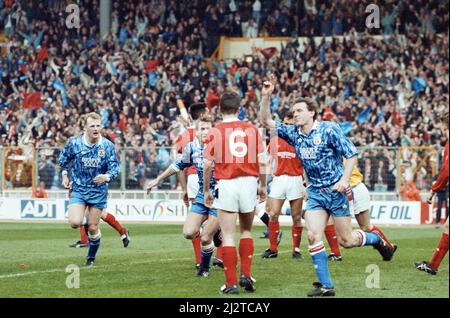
(442, 179)
(210, 143)
(178, 145)
(261, 147)
(270, 147)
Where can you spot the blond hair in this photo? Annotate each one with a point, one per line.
(93, 116)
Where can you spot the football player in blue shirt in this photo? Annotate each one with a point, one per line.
(321, 146)
(93, 164)
(199, 213)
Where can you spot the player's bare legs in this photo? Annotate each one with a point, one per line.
(227, 222)
(348, 238)
(316, 220)
(345, 235)
(191, 231)
(94, 234)
(191, 227)
(363, 220)
(207, 244)
(76, 215)
(296, 214)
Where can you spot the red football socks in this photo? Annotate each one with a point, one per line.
(83, 234)
(296, 237)
(440, 252)
(229, 264)
(332, 240)
(246, 250)
(111, 220)
(197, 244)
(274, 228)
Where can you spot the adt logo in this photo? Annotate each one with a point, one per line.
(37, 209)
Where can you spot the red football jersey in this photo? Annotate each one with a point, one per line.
(181, 142)
(286, 160)
(442, 179)
(234, 146)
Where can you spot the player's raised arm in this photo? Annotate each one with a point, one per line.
(264, 115)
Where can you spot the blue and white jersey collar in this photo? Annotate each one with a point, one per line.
(88, 144)
(314, 127)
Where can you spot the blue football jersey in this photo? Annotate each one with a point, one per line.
(84, 162)
(193, 155)
(320, 151)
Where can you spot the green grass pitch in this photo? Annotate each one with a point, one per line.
(159, 263)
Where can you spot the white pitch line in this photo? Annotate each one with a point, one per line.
(102, 266)
(95, 266)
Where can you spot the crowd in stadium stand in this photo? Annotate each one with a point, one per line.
(384, 92)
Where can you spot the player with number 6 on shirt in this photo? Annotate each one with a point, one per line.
(236, 149)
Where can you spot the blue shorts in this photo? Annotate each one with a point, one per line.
(94, 197)
(200, 208)
(333, 202)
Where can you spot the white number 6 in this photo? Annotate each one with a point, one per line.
(235, 145)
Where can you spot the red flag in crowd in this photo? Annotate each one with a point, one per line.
(32, 100)
(151, 65)
(42, 54)
(212, 99)
(269, 52)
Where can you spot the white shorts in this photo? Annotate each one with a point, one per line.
(237, 195)
(287, 187)
(192, 186)
(361, 198)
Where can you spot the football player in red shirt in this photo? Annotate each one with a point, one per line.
(287, 184)
(236, 149)
(432, 266)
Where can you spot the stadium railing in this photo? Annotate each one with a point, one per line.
(384, 170)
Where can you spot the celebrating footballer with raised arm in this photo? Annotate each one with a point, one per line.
(320, 147)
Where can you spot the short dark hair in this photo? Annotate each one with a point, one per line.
(207, 118)
(230, 103)
(196, 110)
(288, 115)
(311, 105)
